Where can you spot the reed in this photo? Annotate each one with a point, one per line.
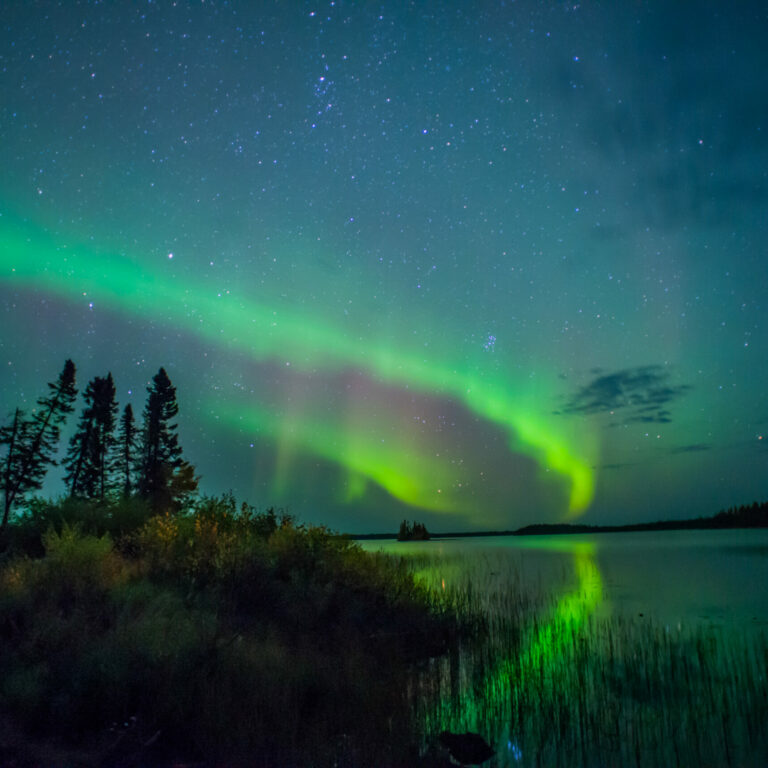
(554, 679)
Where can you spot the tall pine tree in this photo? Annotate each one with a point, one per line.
(165, 479)
(90, 457)
(16, 437)
(125, 457)
(106, 418)
(78, 453)
(31, 443)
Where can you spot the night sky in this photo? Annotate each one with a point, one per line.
(478, 264)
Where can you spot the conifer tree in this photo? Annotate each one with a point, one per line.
(90, 457)
(166, 479)
(79, 448)
(32, 442)
(15, 436)
(125, 458)
(105, 406)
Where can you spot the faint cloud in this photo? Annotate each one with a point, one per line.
(658, 418)
(677, 123)
(641, 393)
(608, 233)
(693, 448)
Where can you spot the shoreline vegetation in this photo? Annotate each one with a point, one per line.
(746, 516)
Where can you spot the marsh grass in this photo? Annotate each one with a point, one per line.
(553, 680)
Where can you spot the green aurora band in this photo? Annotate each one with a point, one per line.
(401, 472)
(32, 259)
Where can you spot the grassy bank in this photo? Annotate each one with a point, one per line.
(227, 636)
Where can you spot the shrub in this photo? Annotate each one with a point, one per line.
(230, 631)
(158, 541)
(118, 517)
(76, 567)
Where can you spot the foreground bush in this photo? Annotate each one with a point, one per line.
(118, 518)
(225, 635)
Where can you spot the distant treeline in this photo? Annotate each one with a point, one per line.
(753, 515)
(746, 516)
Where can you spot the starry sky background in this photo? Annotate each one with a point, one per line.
(478, 264)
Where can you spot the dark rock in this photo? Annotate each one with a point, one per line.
(467, 748)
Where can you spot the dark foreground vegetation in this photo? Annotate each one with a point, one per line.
(143, 625)
(223, 635)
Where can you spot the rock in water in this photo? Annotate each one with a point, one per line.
(467, 748)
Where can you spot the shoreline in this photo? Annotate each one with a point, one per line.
(753, 517)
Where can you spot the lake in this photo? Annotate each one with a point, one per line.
(643, 649)
(686, 577)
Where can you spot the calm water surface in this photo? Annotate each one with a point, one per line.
(642, 649)
(672, 577)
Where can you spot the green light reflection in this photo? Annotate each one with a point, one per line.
(540, 653)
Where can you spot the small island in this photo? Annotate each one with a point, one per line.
(412, 532)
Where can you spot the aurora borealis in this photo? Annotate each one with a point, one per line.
(482, 265)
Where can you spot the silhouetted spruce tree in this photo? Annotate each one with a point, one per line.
(419, 532)
(415, 532)
(90, 457)
(125, 456)
(165, 479)
(32, 442)
(16, 437)
(105, 406)
(79, 449)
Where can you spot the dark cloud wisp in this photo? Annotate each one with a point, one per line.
(693, 448)
(643, 393)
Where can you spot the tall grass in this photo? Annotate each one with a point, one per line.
(554, 681)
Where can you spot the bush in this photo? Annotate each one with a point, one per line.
(229, 631)
(119, 518)
(79, 565)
